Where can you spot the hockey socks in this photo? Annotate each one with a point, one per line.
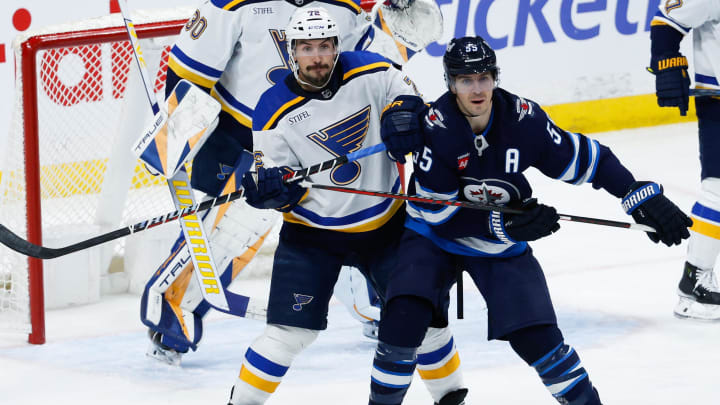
(267, 360)
(559, 368)
(438, 363)
(391, 374)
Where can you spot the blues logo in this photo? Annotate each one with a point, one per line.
(341, 138)
(301, 299)
(225, 171)
(277, 73)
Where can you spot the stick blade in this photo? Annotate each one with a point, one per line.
(20, 245)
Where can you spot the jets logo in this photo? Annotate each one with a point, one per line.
(523, 108)
(434, 118)
(490, 191)
(300, 300)
(341, 138)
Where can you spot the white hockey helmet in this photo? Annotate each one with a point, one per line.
(310, 23)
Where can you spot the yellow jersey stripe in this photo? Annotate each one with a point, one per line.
(281, 110)
(352, 4)
(240, 117)
(361, 69)
(188, 74)
(369, 226)
(232, 4)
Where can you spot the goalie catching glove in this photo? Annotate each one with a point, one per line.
(400, 126)
(648, 206)
(270, 191)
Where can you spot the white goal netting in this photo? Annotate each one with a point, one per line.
(78, 90)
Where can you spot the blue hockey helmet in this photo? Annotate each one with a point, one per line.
(468, 55)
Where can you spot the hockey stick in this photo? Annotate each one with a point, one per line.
(20, 245)
(477, 206)
(705, 92)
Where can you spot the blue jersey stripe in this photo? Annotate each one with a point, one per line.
(232, 100)
(349, 219)
(195, 65)
(706, 79)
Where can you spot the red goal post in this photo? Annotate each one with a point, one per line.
(71, 86)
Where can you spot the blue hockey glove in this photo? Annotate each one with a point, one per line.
(400, 126)
(399, 4)
(270, 191)
(672, 83)
(648, 206)
(536, 221)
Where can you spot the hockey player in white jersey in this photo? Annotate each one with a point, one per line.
(698, 289)
(328, 107)
(235, 50)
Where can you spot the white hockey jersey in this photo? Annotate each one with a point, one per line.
(703, 18)
(292, 127)
(237, 47)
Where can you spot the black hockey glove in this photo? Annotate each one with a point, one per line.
(648, 206)
(536, 221)
(400, 126)
(270, 191)
(672, 83)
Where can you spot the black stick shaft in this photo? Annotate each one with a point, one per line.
(478, 206)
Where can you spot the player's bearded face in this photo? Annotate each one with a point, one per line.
(474, 92)
(315, 59)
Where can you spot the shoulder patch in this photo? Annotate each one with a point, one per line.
(434, 118)
(524, 108)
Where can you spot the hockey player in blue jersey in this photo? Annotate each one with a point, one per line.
(699, 295)
(329, 106)
(473, 144)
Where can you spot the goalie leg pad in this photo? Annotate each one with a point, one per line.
(267, 360)
(357, 295)
(176, 309)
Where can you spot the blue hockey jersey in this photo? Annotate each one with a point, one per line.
(457, 164)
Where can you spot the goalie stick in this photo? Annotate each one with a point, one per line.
(477, 206)
(20, 245)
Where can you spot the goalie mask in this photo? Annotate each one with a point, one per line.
(468, 55)
(311, 23)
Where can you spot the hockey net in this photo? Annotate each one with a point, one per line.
(66, 171)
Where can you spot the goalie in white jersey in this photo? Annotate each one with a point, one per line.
(328, 107)
(698, 290)
(235, 50)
